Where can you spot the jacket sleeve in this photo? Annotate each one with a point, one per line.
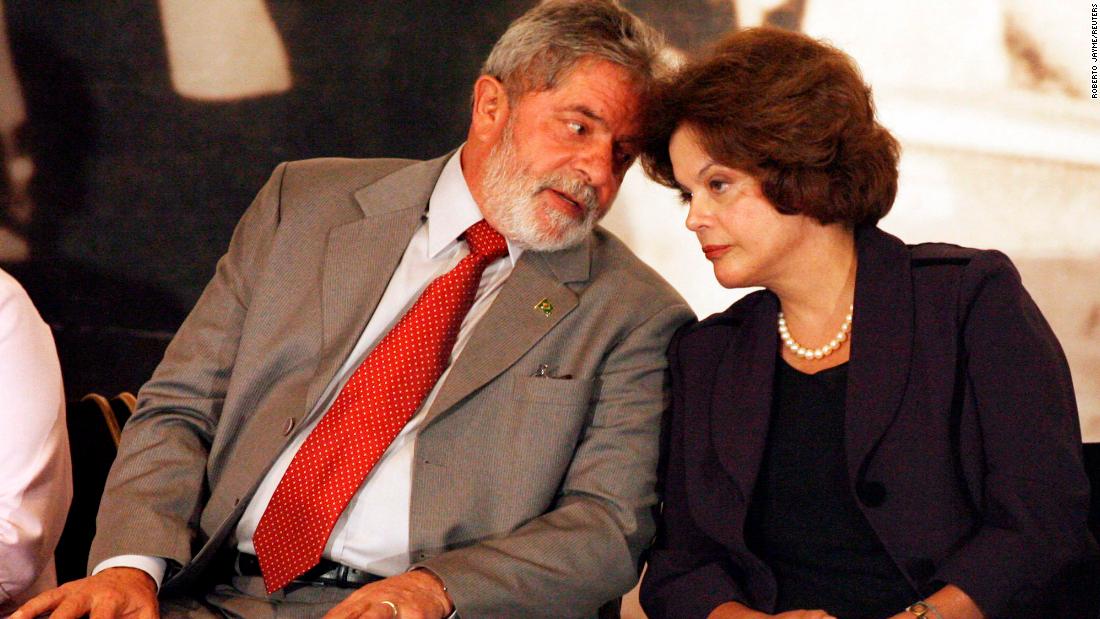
(158, 481)
(1034, 501)
(586, 550)
(689, 574)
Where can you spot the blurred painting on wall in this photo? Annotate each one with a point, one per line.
(132, 138)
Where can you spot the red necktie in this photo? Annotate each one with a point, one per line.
(368, 413)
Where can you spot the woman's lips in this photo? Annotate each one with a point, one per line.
(713, 252)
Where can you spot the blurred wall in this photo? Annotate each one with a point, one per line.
(1000, 136)
(135, 134)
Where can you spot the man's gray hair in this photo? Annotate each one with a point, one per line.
(544, 44)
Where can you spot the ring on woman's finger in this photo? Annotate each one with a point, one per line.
(393, 607)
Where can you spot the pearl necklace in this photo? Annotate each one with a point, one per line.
(815, 353)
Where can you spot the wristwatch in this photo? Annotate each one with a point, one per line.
(919, 609)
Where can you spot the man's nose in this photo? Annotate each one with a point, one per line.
(597, 163)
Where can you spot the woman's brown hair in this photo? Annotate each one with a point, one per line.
(792, 112)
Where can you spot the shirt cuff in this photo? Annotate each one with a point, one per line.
(153, 566)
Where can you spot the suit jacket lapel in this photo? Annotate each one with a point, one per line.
(513, 324)
(361, 255)
(731, 424)
(742, 400)
(882, 343)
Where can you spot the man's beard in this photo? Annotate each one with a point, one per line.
(511, 202)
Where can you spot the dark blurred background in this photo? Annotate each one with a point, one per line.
(135, 186)
(133, 135)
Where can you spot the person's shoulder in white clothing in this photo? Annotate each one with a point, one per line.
(35, 473)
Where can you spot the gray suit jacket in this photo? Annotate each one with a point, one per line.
(528, 492)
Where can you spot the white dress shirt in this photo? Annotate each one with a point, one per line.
(372, 534)
(35, 473)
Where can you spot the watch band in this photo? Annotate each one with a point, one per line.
(923, 609)
(918, 609)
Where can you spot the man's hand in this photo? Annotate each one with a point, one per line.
(418, 594)
(115, 592)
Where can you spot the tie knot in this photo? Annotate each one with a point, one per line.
(485, 241)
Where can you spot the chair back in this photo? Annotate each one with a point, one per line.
(95, 427)
(1089, 578)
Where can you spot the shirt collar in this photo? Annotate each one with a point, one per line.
(452, 209)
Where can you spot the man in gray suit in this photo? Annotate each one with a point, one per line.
(521, 482)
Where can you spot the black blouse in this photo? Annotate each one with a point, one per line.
(803, 520)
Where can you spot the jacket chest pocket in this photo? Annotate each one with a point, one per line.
(567, 392)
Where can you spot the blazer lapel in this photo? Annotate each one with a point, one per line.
(882, 343)
(513, 323)
(735, 419)
(741, 405)
(361, 255)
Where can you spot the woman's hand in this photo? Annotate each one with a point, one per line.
(736, 610)
(950, 602)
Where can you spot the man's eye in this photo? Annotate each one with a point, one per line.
(576, 127)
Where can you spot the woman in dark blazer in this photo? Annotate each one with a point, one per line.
(886, 430)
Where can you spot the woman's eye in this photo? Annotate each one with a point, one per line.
(718, 186)
(685, 197)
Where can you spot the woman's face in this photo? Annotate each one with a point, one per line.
(747, 240)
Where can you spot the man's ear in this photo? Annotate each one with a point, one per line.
(491, 109)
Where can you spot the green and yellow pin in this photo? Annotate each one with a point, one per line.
(545, 306)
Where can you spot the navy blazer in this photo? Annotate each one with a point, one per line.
(961, 433)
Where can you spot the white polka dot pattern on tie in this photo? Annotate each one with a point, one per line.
(368, 413)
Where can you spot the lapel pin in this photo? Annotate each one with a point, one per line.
(545, 306)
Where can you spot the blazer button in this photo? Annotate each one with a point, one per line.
(288, 426)
(871, 493)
